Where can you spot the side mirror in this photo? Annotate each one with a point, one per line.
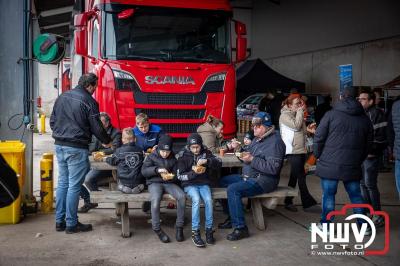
(241, 49)
(241, 41)
(240, 28)
(80, 34)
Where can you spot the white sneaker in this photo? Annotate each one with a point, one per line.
(378, 220)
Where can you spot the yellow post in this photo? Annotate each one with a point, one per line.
(43, 124)
(49, 156)
(46, 185)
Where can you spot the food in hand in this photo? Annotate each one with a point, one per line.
(244, 154)
(167, 176)
(149, 150)
(198, 169)
(239, 154)
(98, 156)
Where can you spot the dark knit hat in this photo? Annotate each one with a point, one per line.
(165, 143)
(249, 135)
(194, 138)
(349, 92)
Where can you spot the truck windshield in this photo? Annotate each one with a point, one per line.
(168, 34)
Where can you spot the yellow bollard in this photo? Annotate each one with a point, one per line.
(49, 156)
(46, 185)
(43, 124)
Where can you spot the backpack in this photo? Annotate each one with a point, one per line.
(9, 188)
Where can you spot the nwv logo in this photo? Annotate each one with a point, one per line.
(364, 232)
(340, 232)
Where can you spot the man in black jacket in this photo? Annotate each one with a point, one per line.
(369, 183)
(94, 177)
(394, 138)
(341, 144)
(74, 119)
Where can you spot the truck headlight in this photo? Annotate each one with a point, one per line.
(215, 83)
(124, 80)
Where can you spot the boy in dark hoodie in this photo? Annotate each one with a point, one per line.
(129, 159)
(193, 163)
(159, 169)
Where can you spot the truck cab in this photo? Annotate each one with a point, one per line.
(169, 59)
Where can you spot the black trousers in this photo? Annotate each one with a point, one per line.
(298, 175)
(369, 183)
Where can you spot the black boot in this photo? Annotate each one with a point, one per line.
(162, 236)
(60, 226)
(226, 224)
(209, 236)
(196, 238)
(291, 207)
(238, 234)
(87, 206)
(146, 206)
(179, 234)
(78, 228)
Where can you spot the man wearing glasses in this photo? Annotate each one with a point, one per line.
(261, 171)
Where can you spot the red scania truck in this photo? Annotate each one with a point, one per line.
(170, 59)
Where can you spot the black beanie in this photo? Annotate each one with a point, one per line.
(349, 92)
(249, 135)
(165, 143)
(194, 138)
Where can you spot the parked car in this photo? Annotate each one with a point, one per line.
(249, 106)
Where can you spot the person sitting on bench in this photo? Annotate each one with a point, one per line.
(194, 161)
(96, 177)
(159, 169)
(262, 165)
(129, 159)
(147, 136)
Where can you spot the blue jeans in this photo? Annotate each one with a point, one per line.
(239, 188)
(397, 175)
(73, 165)
(329, 189)
(195, 192)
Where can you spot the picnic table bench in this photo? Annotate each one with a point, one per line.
(268, 200)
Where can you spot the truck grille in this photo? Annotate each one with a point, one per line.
(171, 113)
(179, 128)
(168, 98)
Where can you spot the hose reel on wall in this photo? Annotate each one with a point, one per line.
(49, 48)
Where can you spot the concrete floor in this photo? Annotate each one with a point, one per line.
(285, 242)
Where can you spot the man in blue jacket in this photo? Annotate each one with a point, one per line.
(147, 137)
(261, 172)
(342, 142)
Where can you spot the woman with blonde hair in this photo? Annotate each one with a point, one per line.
(293, 132)
(211, 134)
